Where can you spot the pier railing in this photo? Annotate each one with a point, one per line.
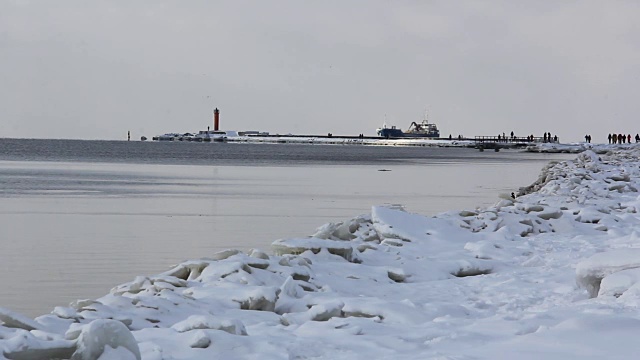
(514, 139)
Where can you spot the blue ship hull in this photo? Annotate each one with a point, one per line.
(392, 133)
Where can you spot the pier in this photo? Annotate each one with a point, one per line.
(478, 142)
(508, 142)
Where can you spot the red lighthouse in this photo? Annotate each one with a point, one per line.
(216, 119)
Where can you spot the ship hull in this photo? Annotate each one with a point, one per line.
(397, 133)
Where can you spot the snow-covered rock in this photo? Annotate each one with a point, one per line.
(106, 339)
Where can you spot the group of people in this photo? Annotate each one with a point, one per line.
(530, 138)
(620, 138)
(547, 138)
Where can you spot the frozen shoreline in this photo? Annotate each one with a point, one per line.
(551, 274)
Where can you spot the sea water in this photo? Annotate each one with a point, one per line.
(79, 217)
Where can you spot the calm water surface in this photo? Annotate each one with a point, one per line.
(79, 217)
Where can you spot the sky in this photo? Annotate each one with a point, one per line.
(95, 70)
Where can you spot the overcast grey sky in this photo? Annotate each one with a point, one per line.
(96, 69)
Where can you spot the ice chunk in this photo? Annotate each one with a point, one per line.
(120, 353)
(288, 299)
(258, 254)
(590, 272)
(391, 223)
(299, 245)
(617, 283)
(225, 254)
(15, 320)
(232, 326)
(101, 337)
(199, 340)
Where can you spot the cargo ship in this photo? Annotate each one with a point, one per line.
(424, 129)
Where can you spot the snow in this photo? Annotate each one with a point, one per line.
(592, 271)
(554, 274)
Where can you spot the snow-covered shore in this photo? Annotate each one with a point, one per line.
(553, 274)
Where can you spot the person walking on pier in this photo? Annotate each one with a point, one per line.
(609, 137)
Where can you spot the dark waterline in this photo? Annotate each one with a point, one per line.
(237, 154)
